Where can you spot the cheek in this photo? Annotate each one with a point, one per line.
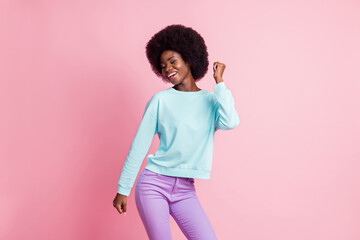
(186, 69)
(181, 67)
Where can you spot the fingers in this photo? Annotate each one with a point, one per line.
(215, 66)
(121, 208)
(118, 208)
(120, 205)
(218, 64)
(218, 71)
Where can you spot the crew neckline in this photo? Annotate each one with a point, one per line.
(185, 92)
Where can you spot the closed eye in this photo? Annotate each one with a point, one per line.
(172, 62)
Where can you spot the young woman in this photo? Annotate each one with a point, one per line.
(185, 118)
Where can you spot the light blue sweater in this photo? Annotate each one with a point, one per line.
(185, 123)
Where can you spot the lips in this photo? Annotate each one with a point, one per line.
(172, 75)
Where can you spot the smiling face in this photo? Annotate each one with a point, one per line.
(173, 67)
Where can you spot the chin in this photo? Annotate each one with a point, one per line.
(176, 83)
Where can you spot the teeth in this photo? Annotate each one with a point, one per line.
(172, 74)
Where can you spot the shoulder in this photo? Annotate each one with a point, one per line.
(157, 97)
(162, 93)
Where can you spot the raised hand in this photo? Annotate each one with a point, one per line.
(218, 68)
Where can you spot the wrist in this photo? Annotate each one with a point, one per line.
(219, 80)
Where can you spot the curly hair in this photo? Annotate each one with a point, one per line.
(184, 40)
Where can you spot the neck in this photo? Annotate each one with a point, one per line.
(187, 85)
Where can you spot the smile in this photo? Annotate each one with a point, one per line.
(172, 75)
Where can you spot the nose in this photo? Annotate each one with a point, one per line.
(167, 68)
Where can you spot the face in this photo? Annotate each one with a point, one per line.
(173, 68)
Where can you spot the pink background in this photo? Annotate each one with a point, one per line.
(75, 80)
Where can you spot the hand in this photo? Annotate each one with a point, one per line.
(218, 68)
(120, 203)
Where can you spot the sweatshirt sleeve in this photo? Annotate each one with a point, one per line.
(139, 147)
(226, 116)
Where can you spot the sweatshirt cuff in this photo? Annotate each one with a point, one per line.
(124, 190)
(220, 86)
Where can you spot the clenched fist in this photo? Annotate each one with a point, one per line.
(120, 202)
(218, 68)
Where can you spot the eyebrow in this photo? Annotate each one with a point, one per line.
(169, 58)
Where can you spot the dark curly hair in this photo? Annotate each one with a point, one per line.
(184, 40)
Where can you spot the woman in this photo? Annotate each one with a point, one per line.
(185, 118)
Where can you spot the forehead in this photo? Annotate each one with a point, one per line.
(165, 55)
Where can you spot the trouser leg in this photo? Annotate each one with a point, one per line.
(153, 209)
(191, 218)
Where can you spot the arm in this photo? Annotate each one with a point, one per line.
(139, 147)
(226, 116)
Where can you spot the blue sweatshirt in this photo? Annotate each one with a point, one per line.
(185, 123)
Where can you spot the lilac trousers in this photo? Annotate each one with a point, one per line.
(158, 196)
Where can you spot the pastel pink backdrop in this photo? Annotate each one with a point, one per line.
(74, 80)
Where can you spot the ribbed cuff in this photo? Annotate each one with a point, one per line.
(219, 87)
(124, 190)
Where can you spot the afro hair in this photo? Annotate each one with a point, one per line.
(184, 40)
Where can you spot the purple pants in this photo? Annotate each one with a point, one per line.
(158, 196)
